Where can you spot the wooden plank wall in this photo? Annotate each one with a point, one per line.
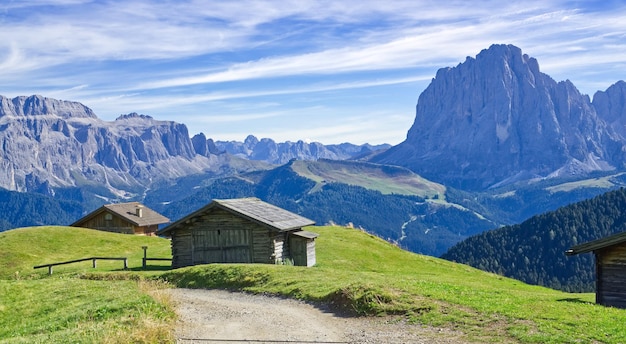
(219, 236)
(310, 253)
(146, 230)
(181, 248)
(303, 251)
(280, 250)
(298, 253)
(116, 224)
(611, 275)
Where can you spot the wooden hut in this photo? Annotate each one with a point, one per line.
(243, 230)
(126, 218)
(610, 254)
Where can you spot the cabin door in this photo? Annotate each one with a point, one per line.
(302, 251)
(222, 246)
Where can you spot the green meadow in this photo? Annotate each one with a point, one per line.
(356, 273)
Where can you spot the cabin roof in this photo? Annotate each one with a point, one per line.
(127, 211)
(253, 209)
(597, 244)
(306, 234)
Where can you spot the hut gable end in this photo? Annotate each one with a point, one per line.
(610, 254)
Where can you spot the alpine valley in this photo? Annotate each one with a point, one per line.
(495, 141)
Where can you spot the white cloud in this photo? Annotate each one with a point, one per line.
(419, 46)
(147, 102)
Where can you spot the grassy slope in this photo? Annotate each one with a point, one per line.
(605, 182)
(63, 308)
(24, 248)
(370, 276)
(355, 271)
(387, 180)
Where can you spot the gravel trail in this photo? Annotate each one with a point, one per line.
(217, 316)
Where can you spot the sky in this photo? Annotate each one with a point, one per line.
(327, 71)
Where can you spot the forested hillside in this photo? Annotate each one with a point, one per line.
(19, 209)
(534, 251)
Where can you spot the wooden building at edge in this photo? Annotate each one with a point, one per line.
(125, 218)
(610, 257)
(242, 230)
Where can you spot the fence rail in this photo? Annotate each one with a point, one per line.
(145, 260)
(93, 259)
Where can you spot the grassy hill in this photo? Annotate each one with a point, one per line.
(383, 178)
(24, 248)
(66, 307)
(356, 272)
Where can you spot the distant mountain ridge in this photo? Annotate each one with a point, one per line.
(496, 119)
(48, 143)
(272, 152)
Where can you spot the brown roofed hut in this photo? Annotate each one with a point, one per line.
(610, 253)
(126, 218)
(242, 230)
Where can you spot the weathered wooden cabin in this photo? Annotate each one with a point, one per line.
(610, 254)
(242, 230)
(127, 218)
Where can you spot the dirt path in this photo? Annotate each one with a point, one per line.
(215, 316)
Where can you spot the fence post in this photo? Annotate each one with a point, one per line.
(125, 263)
(145, 256)
(93, 261)
(49, 269)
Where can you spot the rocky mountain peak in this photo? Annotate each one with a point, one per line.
(611, 105)
(251, 140)
(36, 105)
(133, 115)
(204, 146)
(495, 119)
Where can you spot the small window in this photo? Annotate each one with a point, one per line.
(108, 217)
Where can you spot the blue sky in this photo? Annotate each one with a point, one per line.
(328, 71)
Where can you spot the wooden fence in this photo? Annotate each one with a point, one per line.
(93, 259)
(145, 258)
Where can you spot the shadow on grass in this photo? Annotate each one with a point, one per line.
(574, 300)
(151, 268)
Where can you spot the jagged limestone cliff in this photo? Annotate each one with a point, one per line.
(497, 119)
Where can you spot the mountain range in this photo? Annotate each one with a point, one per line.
(49, 144)
(494, 142)
(280, 153)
